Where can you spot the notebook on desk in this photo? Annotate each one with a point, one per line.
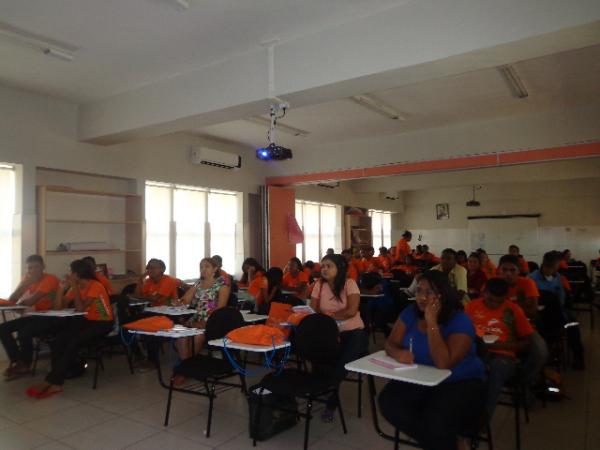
(389, 363)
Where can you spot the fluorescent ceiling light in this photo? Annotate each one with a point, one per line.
(374, 104)
(514, 81)
(36, 42)
(280, 126)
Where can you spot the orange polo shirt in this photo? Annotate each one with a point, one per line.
(105, 282)
(258, 283)
(490, 269)
(100, 308)
(48, 286)
(402, 249)
(166, 287)
(291, 281)
(522, 289)
(352, 271)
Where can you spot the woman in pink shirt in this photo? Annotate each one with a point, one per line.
(339, 297)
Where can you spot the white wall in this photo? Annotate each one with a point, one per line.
(569, 214)
(345, 196)
(37, 131)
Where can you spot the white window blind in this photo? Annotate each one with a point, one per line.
(381, 226)
(322, 229)
(223, 216)
(190, 215)
(158, 221)
(7, 193)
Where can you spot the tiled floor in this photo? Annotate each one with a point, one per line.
(127, 411)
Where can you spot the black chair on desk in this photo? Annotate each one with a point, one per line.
(316, 341)
(208, 370)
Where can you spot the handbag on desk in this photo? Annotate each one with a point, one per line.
(151, 324)
(257, 335)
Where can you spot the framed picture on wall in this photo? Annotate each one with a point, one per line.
(442, 211)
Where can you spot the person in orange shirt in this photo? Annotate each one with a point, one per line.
(37, 290)
(87, 295)
(369, 263)
(486, 263)
(99, 275)
(155, 286)
(220, 271)
(402, 247)
(385, 259)
(351, 270)
(253, 277)
(523, 266)
(295, 280)
(494, 315)
(566, 258)
(409, 268)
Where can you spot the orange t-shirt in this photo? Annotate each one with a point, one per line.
(508, 322)
(565, 283)
(352, 272)
(48, 286)
(385, 262)
(371, 265)
(258, 283)
(402, 249)
(524, 288)
(105, 282)
(489, 268)
(100, 308)
(166, 287)
(523, 266)
(409, 270)
(291, 281)
(563, 264)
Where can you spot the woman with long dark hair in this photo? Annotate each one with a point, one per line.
(435, 332)
(253, 278)
(339, 297)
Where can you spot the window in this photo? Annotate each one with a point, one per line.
(7, 193)
(185, 224)
(321, 224)
(381, 226)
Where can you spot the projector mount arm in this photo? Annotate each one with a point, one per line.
(276, 112)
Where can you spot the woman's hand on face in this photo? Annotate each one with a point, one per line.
(405, 357)
(432, 311)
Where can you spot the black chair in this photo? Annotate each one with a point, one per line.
(315, 341)
(208, 370)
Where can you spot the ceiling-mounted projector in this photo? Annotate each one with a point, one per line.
(473, 202)
(274, 152)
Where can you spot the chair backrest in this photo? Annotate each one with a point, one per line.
(222, 321)
(317, 340)
(129, 289)
(404, 280)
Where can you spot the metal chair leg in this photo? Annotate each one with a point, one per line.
(169, 398)
(307, 424)
(339, 405)
(211, 398)
(257, 417)
(360, 381)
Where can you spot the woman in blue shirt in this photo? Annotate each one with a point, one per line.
(436, 332)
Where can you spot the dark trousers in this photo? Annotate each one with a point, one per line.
(76, 334)
(354, 344)
(434, 416)
(26, 328)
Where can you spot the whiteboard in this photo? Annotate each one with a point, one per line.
(495, 235)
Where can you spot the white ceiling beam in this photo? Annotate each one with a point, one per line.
(412, 42)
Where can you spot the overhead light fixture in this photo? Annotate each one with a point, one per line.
(374, 104)
(514, 81)
(36, 42)
(259, 120)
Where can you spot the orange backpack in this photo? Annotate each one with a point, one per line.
(151, 324)
(278, 312)
(257, 335)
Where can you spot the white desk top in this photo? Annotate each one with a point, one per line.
(289, 292)
(138, 302)
(175, 332)
(423, 375)
(57, 313)
(251, 318)
(13, 307)
(248, 347)
(372, 295)
(170, 310)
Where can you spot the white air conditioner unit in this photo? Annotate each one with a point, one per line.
(215, 158)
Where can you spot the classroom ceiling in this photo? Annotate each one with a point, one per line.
(120, 45)
(563, 80)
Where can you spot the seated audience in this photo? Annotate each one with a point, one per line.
(486, 263)
(524, 292)
(220, 271)
(155, 286)
(457, 275)
(547, 279)
(339, 297)
(294, 279)
(99, 275)
(368, 262)
(330, 251)
(253, 278)
(566, 259)
(429, 258)
(409, 268)
(37, 290)
(495, 315)
(210, 293)
(352, 271)
(434, 331)
(476, 277)
(385, 259)
(87, 295)
(523, 266)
